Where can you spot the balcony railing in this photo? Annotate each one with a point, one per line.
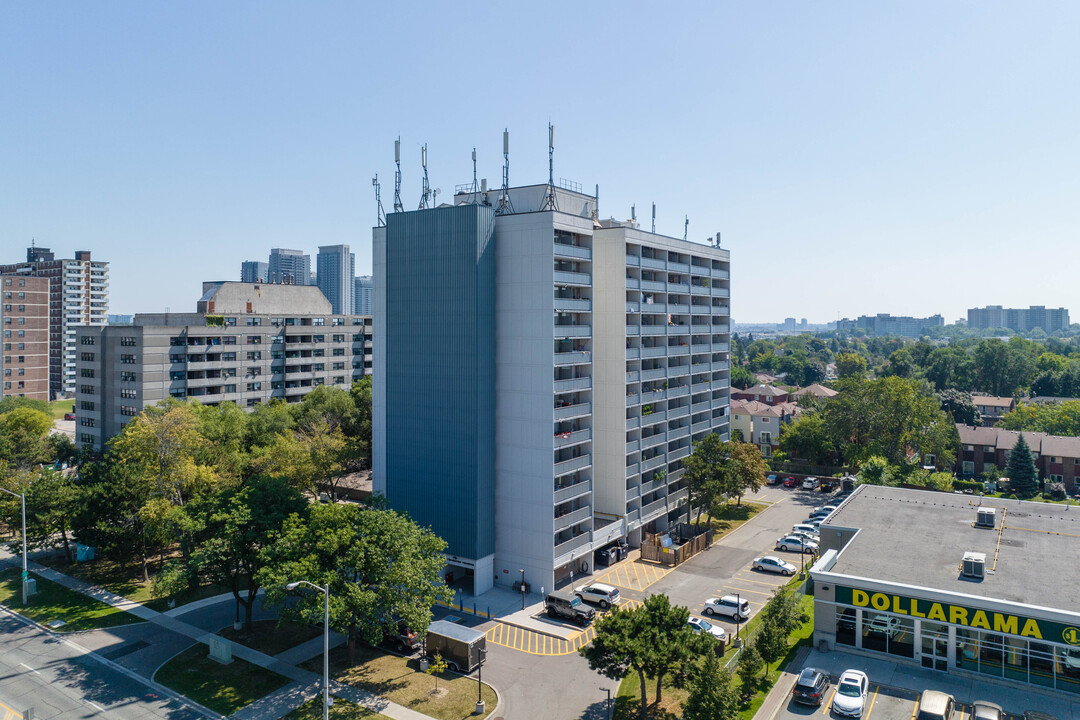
(573, 438)
(633, 446)
(573, 304)
(653, 508)
(651, 352)
(573, 384)
(573, 491)
(565, 277)
(699, 426)
(633, 399)
(632, 493)
(654, 462)
(572, 465)
(653, 440)
(578, 357)
(653, 263)
(654, 374)
(573, 251)
(571, 411)
(633, 353)
(564, 331)
(653, 285)
(565, 548)
(572, 518)
(632, 470)
(678, 454)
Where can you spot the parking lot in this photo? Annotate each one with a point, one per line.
(883, 703)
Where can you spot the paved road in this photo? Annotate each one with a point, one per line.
(59, 681)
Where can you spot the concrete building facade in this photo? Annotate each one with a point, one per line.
(247, 344)
(608, 353)
(335, 273)
(78, 296)
(1019, 319)
(289, 267)
(884, 324)
(254, 271)
(24, 354)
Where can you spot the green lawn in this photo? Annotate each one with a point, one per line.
(126, 580)
(272, 636)
(399, 680)
(732, 516)
(59, 407)
(56, 602)
(222, 688)
(670, 708)
(340, 710)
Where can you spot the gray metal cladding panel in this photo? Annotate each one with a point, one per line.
(440, 373)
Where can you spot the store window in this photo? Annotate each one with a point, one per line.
(888, 634)
(845, 626)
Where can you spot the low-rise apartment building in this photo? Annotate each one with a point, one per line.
(1057, 458)
(24, 355)
(993, 408)
(247, 343)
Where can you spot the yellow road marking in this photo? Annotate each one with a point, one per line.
(759, 582)
(757, 592)
(915, 709)
(870, 709)
(825, 707)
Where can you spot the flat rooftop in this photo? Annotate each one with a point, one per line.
(918, 537)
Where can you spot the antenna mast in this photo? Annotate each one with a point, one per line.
(654, 218)
(475, 186)
(398, 207)
(686, 226)
(596, 207)
(378, 200)
(427, 188)
(633, 214)
(505, 206)
(549, 199)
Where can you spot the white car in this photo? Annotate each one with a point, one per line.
(810, 483)
(603, 595)
(825, 508)
(729, 605)
(808, 537)
(704, 626)
(771, 563)
(885, 625)
(796, 543)
(804, 528)
(850, 697)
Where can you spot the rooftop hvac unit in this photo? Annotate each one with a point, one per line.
(986, 517)
(974, 565)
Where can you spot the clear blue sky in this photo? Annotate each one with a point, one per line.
(860, 157)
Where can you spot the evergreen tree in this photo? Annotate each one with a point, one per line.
(750, 664)
(1023, 478)
(711, 696)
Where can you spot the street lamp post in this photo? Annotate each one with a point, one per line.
(738, 619)
(326, 641)
(480, 682)
(25, 574)
(522, 588)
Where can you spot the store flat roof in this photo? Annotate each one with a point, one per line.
(918, 537)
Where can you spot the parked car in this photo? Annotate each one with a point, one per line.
(825, 508)
(796, 543)
(603, 595)
(69, 416)
(568, 607)
(810, 483)
(730, 606)
(885, 625)
(405, 640)
(982, 710)
(807, 537)
(934, 705)
(813, 522)
(850, 696)
(704, 626)
(805, 528)
(771, 563)
(791, 482)
(827, 486)
(820, 515)
(811, 687)
(1072, 659)
(771, 480)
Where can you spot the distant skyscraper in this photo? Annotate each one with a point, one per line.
(289, 267)
(362, 295)
(335, 270)
(253, 271)
(789, 324)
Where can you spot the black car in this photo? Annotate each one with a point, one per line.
(811, 687)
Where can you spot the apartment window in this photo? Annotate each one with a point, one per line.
(230, 388)
(252, 402)
(128, 410)
(969, 448)
(86, 405)
(228, 357)
(318, 352)
(338, 352)
(7, 386)
(317, 381)
(127, 359)
(181, 393)
(177, 341)
(338, 366)
(337, 322)
(357, 321)
(87, 422)
(7, 372)
(968, 467)
(177, 375)
(338, 338)
(22, 308)
(255, 355)
(318, 367)
(228, 340)
(318, 321)
(1055, 459)
(358, 337)
(318, 338)
(88, 357)
(253, 321)
(254, 386)
(86, 340)
(22, 371)
(228, 372)
(358, 351)
(766, 438)
(230, 322)
(129, 394)
(339, 379)
(86, 389)
(127, 376)
(254, 372)
(7, 308)
(178, 359)
(254, 339)
(86, 373)
(127, 341)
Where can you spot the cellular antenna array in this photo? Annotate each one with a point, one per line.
(686, 226)
(378, 201)
(425, 194)
(398, 207)
(654, 218)
(505, 206)
(475, 185)
(549, 199)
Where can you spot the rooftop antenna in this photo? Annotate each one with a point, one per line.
(549, 199)
(398, 207)
(475, 187)
(633, 214)
(686, 226)
(654, 218)
(505, 206)
(596, 207)
(426, 193)
(378, 200)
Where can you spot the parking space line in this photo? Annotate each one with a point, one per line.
(759, 582)
(757, 592)
(825, 706)
(915, 709)
(870, 708)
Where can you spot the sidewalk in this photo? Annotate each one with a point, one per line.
(782, 689)
(272, 706)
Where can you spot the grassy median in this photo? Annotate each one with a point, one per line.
(340, 710)
(54, 602)
(222, 688)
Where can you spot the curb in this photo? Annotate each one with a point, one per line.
(157, 687)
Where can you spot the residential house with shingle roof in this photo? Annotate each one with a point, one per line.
(1057, 457)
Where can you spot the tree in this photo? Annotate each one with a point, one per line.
(223, 428)
(24, 434)
(960, 407)
(436, 666)
(741, 377)
(311, 457)
(711, 696)
(381, 568)
(1055, 419)
(779, 618)
(750, 664)
(704, 473)
(808, 439)
(234, 528)
(746, 470)
(901, 364)
(266, 422)
(649, 639)
(849, 364)
(876, 470)
(107, 514)
(51, 500)
(162, 442)
(1023, 478)
(361, 397)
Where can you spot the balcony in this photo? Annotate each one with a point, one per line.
(654, 286)
(653, 418)
(654, 329)
(632, 283)
(677, 308)
(678, 288)
(572, 465)
(632, 471)
(718, 273)
(572, 518)
(573, 304)
(677, 350)
(567, 412)
(653, 263)
(654, 374)
(564, 277)
(678, 412)
(573, 384)
(654, 463)
(700, 407)
(651, 352)
(653, 508)
(633, 353)
(633, 376)
(572, 491)
(653, 485)
(678, 454)
(678, 370)
(633, 446)
(700, 426)
(632, 493)
(720, 292)
(679, 433)
(632, 330)
(678, 496)
(677, 267)
(678, 391)
(577, 331)
(633, 423)
(573, 438)
(633, 515)
(633, 399)
(565, 548)
(572, 251)
(578, 357)
(633, 260)
(652, 441)
(699, 289)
